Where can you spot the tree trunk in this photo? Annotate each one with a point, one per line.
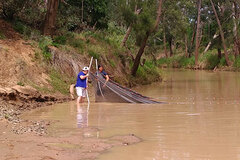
(219, 53)
(222, 34)
(186, 46)
(137, 12)
(170, 47)
(210, 43)
(139, 55)
(82, 10)
(165, 45)
(127, 35)
(144, 42)
(193, 35)
(50, 19)
(235, 30)
(197, 33)
(200, 34)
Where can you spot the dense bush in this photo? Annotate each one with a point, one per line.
(237, 63)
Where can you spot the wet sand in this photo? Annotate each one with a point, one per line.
(75, 146)
(29, 139)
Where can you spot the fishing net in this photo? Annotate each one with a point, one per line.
(115, 93)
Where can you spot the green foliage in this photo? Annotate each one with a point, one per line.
(212, 61)
(20, 27)
(163, 61)
(77, 43)
(237, 62)
(10, 8)
(2, 36)
(93, 54)
(112, 63)
(58, 82)
(26, 31)
(60, 40)
(20, 83)
(95, 13)
(186, 62)
(44, 42)
(222, 62)
(177, 61)
(148, 73)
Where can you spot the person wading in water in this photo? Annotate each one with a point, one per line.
(81, 85)
(104, 74)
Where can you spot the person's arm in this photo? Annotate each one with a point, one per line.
(83, 77)
(107, 78)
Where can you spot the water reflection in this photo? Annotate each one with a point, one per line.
(82, 116)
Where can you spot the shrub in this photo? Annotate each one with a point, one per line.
(60, 40)
(2, 36)
(20, 27)
(43, 45)
(148, 73)
(94, 54)
(112, 63)
(237, 63)
(162, 61)
(222, 62)
(76, 43)
(20, 83)
(212, 61)
(186, 62)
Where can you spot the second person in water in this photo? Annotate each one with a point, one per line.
(103, 73)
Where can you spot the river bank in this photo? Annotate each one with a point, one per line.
(25, 138)
(18, 133)
(76, 146)
(207, 61)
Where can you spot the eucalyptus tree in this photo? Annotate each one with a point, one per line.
(221, 33)
(145, 27)
(175, 23)
(197, 32)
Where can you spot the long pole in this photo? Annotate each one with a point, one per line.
(87, 79)
(98, 83)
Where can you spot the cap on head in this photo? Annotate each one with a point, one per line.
(85, 68)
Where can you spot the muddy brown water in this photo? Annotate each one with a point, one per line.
(201, 119)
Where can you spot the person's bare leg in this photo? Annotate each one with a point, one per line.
(78, 100)
(82, 99)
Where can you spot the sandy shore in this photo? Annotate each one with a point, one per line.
(28, 140)
(30, 146)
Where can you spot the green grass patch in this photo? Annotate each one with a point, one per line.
(185, 62)
(2, 36)
(58, 82)
(237, 62)
(20, 83)
(112, 63)
(44, 42)
(93, 54)
(212, 61)
(147, 74)
(26, 31)
(60, 40)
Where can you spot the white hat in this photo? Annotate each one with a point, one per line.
(85, 68)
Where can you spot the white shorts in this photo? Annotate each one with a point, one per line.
(81, 92)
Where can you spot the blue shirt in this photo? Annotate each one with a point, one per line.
(104, 73)
(81, 82)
